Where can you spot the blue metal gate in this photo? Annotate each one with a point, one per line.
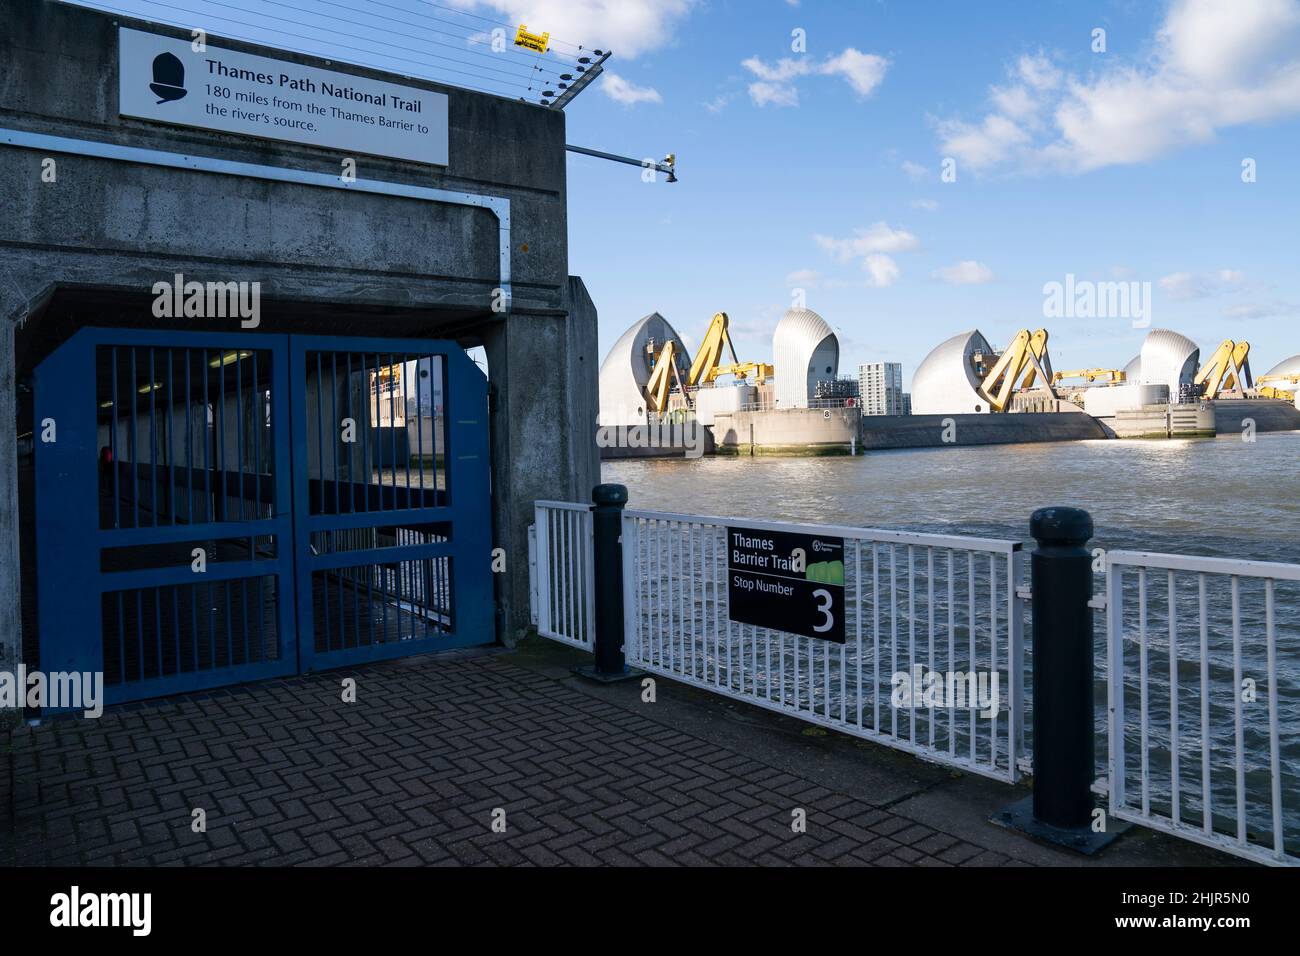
(218, 508)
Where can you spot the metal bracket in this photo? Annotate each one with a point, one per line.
(1024, 592)
(1098, 602)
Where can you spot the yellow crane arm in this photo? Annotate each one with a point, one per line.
(1026, 352)
(1228, 363)
(709, 354)
(660, 381)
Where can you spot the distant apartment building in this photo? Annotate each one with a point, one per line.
(907, 403)
(880, 389)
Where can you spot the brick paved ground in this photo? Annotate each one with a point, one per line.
(410, 775)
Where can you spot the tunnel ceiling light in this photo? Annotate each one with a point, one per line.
(107, 404)
(146, 389)
(228, 359)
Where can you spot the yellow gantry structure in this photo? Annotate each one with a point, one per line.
(707, 365)
(1114, 375)
(1228, 370)
(1026, 356)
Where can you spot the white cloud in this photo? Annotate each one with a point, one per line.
(929, 205)
(882, 269)
(629, 94)
(966, 272)
(915, 171)
(628, 27)
(879, 237)
(802, 278)
(1188, 286)
(1213, 65)
(719, 102)
(774, 85)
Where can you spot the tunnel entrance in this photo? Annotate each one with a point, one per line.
(217, 508)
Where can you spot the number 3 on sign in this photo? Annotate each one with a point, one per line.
(825, 607)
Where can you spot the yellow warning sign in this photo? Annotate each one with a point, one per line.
(531, 41)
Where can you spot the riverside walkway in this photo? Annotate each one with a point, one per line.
(415, 772)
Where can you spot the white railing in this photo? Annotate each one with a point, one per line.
(949, 605)
(1203, 694)
(564, 574)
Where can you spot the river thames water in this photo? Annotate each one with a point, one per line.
(1221, 497)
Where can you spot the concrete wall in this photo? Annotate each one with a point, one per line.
(89, 247)
(1269, 415)
(789, 430)
(923, 431)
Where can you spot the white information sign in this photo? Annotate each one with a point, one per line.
(166, 80)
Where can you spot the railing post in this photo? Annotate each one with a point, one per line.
(1061, 586)
(607, 552)
(1060, 810)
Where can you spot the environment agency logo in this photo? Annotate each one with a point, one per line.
(168, 78)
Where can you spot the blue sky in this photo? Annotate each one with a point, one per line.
(819, 169)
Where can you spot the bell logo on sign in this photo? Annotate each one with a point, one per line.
(168, 78)
(532, 41)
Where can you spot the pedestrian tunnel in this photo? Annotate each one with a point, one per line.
(217, 508)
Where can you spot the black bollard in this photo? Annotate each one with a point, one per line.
(1061, 576)
(607, 556)
(1060, 810)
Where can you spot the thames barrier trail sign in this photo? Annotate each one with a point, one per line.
(787, 582)
(186, 83)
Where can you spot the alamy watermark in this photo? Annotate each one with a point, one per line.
(1085, 299)
(57, 690)
(208, 300)
(922, 688)
(687, 436)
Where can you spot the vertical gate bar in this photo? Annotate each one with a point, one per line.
(259, 433)
(243, 587)
(113, 450)
(365, 435)
(718, 566)
(189, 446)
(419, 423)
(893, 631)
(320, 442)
(405, 411)
(261, 618)
(971, 636)
(1206, 796)
(929, 605)
(911, 635)
(993, 653)
(875, 637)
(121, 636)
(221, 449)
(334, 416)
(1175, 801)
(826, 677)
(139, 628)
(134, 444)
(1236, 709)
(692, 530)
(171, 454)
(153, 444)
(193, 590)
(212, 629)
(157, 626)
(1142, 688)
(230, 640)
(952, 656)
(1274, 755)
(392, 438)
(860, 602)
(1015, 667)
(207, 447)
(239, 436)
(176, 624)
(352, 477)
(1115, 680)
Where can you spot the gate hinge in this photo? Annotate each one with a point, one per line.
(1098, 602)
